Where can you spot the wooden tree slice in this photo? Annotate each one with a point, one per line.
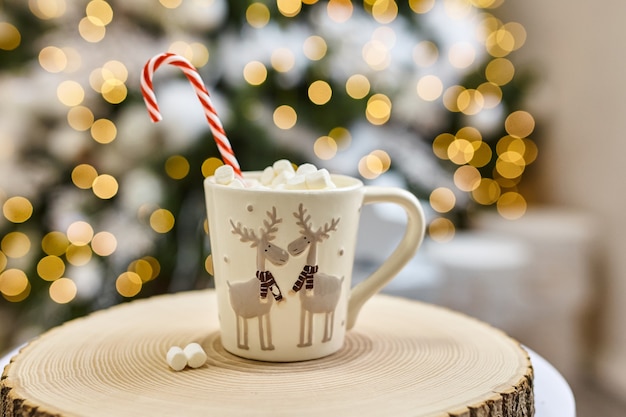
(403, 358)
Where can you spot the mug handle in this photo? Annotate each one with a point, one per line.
(402, 254)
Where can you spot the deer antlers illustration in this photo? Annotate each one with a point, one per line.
(304, 221)
(267, 234)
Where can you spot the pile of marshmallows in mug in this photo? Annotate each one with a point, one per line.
(281, 175)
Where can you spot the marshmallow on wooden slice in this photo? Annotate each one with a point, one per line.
(196, 357)
(319, 180)
(176, 358)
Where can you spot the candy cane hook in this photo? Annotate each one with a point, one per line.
(147, 90)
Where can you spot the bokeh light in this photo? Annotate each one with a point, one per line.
(210, 165)
(177, 167)
(315, 48)
(162, 220)
(63, 290)
(285, 117)
(255, 73)
(50, 268)
(17, 209)
(105, 186)
(128, 284)
(15, 244)
(104, 243)
(442, 199)
(258, 15)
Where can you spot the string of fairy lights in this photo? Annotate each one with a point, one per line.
(464, 148)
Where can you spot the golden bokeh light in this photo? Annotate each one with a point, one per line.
(162, 220)
(519, 124)
(114, 91)
(357, 86)
(289, 8)
(461, 151)
(91, 30)
(285, 117)
(441, 230)
(104, 243)
(78, 255)
(257, 15)
(55, 243)
(492, 95)
(320, 92)
(487, 192)
(429, 88)
(13, 282)
(170, 4)
(128, 284)
(325, 147)
(451, 97)
(208, 265)
(50, 268)
(470, 101)
(442, 199)
(155, 266)
(467, 178)
(511, 205)
(421, 6)
(482, 154)
(63, 291)
(315, 48)
(441, 144)
(17, 209)
(79, 233)
(342, 137)
(255, 73)
(499, 71)
(83, 176)
(384, 11)
(510, 165)
(105, 186)
(103, 131)
(378, 109)
(374, 164)
(10, 37)
(99, 12)
(15, 244)
(339, 10)
(47, 9)
(80, 118)
(142, 268)
(210, 165)
(3, 261)
(52, 59)
(196, 53)
(177, 167)
(70, 93)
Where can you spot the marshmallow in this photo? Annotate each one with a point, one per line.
(267, 176)
(283, 177)
(195, 355)
(305, 169)
(176, 358)
(237, 183)
(224, 174)
(283, 165)
(298, 182)
(319, 180)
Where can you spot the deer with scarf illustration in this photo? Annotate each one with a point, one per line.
(310, 239)
(322, 290)
(249, 299)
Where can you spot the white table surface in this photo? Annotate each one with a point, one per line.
(553, 396)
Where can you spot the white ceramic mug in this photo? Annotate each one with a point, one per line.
(283, 260)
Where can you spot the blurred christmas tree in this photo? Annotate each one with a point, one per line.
(100, 206)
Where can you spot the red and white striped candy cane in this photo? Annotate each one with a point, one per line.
(147, 90)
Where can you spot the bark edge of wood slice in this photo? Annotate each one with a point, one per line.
(403, 358)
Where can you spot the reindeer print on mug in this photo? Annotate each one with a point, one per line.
(249, 299)
(322, 291)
